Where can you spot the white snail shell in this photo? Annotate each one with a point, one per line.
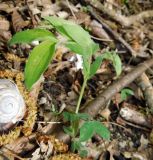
(12, 106)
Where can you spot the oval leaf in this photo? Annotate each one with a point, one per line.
(117, 64)
(86, 131)
(95, 65)
(38, 61)
(125, 93)
(74, 33)
(101, 130)
(30, 35)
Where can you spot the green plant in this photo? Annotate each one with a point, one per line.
(125, 2)
(125, 93)
(79, 41)
(86, 130)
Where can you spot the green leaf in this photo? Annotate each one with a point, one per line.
(86, 66)
(95, 47)
(76, 146)
(125, 93)
(30, 35)
(74, 47)
(112, 56)
(68, 130)
(101, 130)
(83, 116)
(56, 21)
(83, 153)
(74, 33)
(88, 129)
(74, 117)
(95, 65)
(80, 36)
(38, 61)
(70, 116)
(58, 24)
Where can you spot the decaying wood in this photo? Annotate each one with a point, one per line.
(146, 87)
(128, 113)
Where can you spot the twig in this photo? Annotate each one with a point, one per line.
(69, 6)
(119, 119)
(101, 39)
(116, 124)
(42, 122)
(113, 33)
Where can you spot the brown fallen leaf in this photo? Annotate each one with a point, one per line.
(18, 22)
(6, 7)
(105, 113)
(5, 35)
(4, 24)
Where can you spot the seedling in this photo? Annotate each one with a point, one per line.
(125, 93)
(79, 41)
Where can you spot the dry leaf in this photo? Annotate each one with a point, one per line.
(105, 113)
(4, 24)
(36, 154)
(18, 22)
(5, 35)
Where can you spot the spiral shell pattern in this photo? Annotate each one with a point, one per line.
(12, 106)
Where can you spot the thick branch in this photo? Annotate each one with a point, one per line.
(99, 103)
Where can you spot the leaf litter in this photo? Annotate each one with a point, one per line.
(130, 138)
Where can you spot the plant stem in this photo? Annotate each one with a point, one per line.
(81, 95)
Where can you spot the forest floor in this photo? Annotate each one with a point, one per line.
(122, 26)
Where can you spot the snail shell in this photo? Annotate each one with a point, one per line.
(12, 106)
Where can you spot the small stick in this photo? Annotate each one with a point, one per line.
(42, 122)
(101, 39)
(119, 119)
(116, 124)
(113, 33)
(69, 6)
